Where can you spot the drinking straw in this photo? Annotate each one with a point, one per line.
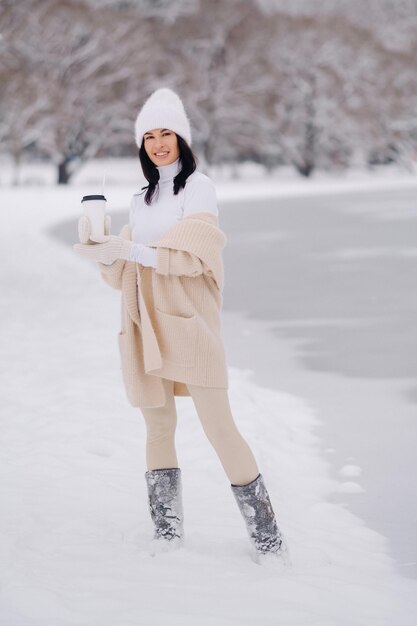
(102, 184)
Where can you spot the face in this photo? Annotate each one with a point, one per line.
(161, 146)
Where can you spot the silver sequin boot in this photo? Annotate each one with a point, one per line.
(256, 508)
(165, 504)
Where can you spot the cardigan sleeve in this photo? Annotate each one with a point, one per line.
(191, 249)
(112, 274)
(180, 263)
(200, 195)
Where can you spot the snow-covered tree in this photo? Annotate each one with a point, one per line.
(278, 81)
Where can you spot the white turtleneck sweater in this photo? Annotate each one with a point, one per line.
(150, 222)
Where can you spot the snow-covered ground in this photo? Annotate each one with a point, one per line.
(75, 525)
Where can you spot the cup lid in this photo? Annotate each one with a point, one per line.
(97, 197)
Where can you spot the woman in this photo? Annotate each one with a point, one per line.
(168, 264)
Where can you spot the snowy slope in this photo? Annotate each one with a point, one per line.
(75, 526)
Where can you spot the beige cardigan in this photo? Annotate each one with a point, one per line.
(171, 326)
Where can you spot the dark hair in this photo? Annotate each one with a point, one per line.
(188, 161)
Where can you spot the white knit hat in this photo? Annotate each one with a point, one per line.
(163, 109)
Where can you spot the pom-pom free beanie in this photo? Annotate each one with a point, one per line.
(163, 109)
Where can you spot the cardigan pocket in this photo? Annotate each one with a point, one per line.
(177, 338)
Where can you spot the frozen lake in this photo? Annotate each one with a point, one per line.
(334, 279)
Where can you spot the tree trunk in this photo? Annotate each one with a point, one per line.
(304, 169)
(63, 173)
(17, 155)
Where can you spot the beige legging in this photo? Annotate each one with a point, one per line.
(213, 409)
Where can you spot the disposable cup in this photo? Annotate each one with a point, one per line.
(94, 207)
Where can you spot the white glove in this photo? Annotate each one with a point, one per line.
(84, 231)
(112, 247)
(84, 228)
(109, 248)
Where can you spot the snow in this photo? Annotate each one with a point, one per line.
(351, 470)
(233, 183)
(75, 528)
(350, 487)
